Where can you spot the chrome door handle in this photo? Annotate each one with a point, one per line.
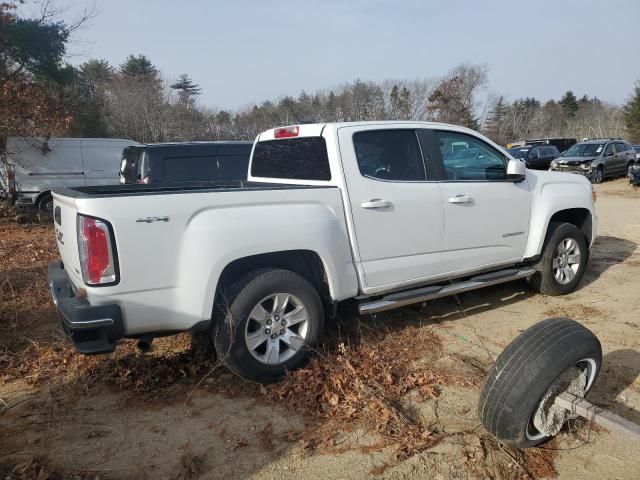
(376, 203)
(460, 199)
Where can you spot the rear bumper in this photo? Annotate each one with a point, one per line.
(92, 329)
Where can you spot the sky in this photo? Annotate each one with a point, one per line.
(243, 52)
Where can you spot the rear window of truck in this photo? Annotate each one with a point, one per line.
(303, 158)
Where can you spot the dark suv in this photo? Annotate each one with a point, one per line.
(537, 157)
(185, 162)
(597, 159)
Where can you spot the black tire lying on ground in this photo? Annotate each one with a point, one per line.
(526, 370)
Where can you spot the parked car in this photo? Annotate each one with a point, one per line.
(372, 211)
(35, 167)
(597, 159)
(637, 150)
(561, 144)
(538, 157)
(185, 162)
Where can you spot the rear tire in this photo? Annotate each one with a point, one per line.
(548, 280)
(266, 324)
(526, 370)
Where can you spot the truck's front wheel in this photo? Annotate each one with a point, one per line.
(267, 322)
(564, 259)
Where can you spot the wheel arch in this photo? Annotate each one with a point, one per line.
(306, 263)
(580, 217)
(42, 195)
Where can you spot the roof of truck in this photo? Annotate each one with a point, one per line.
(315, 129)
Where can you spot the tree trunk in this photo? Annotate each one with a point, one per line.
(4, 170)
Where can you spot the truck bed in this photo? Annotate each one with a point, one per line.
(104, 191)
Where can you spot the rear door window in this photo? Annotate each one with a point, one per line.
(389, 155)
(303, 158)
(622, 147)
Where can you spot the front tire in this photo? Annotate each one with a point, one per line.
(598, 176)
(46, 203)
(564, 259)
(267, 324)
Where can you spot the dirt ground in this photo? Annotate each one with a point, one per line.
(172, 413)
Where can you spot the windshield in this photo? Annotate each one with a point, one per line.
(584, 150)
(636, 148)
(519, 152)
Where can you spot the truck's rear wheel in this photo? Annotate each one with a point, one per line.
(267, 323)
(564, 259)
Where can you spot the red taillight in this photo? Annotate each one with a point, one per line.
(96, 255)
(287, 132)
(145, 181)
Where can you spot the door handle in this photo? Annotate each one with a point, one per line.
(376, 203)
(460, 199)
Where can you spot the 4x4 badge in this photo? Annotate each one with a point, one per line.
(152, 219)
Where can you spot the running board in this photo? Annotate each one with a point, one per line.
(424, 294)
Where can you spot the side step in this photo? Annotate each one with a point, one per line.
(424, 294)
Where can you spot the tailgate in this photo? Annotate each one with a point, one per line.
(64, 214)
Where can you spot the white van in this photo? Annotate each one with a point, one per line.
(40, 166)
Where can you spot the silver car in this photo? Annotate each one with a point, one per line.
(597, 159)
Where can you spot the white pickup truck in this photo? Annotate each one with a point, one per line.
(387, 213)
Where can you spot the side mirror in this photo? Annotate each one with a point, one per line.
(608, 154)
(516, 171)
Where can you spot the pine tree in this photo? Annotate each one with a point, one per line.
(88, 99)
(405, 104)
(631, 112)
(139, 66)
(394, 103)
(494, 126)
(96, 71)
(186, 89)
(569, 104)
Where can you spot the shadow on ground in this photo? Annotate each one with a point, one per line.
(620, 369)
(606, 252)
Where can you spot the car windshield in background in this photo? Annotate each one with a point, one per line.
(584, 150)
(636, 148)
(519, 152)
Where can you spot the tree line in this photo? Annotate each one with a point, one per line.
(41, 95)
(134, 101)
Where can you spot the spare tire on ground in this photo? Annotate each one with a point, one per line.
(553, 356)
